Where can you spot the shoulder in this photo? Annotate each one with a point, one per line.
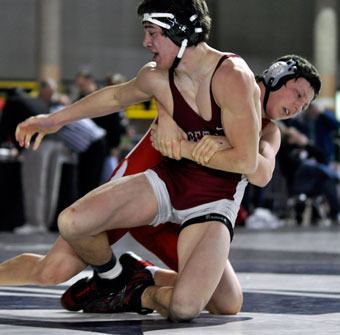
(151, 78)
(150, 72)
(234, 68)
(234, 79)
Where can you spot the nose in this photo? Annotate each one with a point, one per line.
(146, 41)
(298, 107)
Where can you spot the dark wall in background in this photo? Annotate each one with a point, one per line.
(106, 35)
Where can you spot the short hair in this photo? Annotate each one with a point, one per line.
(305, 70)
(182, 10)
(290, 67)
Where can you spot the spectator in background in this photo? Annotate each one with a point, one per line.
(306, 171)
(85, 83)
(115, 125)
(81, 143)
(320, 125)
(324, 128)
(83, 137)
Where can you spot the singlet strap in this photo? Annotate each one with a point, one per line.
(214, 106)
(221, 60)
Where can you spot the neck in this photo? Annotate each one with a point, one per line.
(195, 61)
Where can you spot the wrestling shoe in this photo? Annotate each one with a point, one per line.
(128, 299)
(86, 290)
(132, 263)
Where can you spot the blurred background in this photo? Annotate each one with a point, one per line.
(57, 51)
(62, 36)
(59, 38)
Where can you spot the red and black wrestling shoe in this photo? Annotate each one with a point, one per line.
(86, 290)
(132, 263)
(128, 299)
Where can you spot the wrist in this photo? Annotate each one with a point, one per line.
(59, 118)
(184, 149)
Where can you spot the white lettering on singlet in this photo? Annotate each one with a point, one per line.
(197, 135)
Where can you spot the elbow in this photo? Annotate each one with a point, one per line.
(260, 179)
(249, 165)
(260, 182)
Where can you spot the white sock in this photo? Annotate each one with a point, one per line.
(152, 269)
(113, 273)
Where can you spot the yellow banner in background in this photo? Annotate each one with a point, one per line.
(146, 110)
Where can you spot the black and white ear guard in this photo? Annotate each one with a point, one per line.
(277, 75)
(181, 34)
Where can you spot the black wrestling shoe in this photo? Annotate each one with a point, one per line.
(86, 290)
(128, 299)
(132, 263)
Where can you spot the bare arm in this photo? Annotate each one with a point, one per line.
(237, 93)
(104, 101)
(269, 146)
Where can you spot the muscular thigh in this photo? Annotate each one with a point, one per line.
(202, 252)
(123, 203)
(228, 296)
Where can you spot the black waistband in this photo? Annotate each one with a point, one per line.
(210, 217)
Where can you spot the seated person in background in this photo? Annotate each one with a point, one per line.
(306, 171)
(84, 137)
(41, 170)
(320, 125)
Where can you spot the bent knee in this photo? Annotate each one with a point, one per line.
(184, 310)
(227, 310)
(68, 223)
(229, 307)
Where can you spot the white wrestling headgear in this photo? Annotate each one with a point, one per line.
(182, 31)
(277, 75)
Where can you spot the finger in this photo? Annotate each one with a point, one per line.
(163, 147)
(208, 153)
(27, 139)
(176, 150)
(168, 148)
(154, 143)
(21, 133)
(201, 152)
(38, 141)
(198, 150)
(18, 135)
(210, 150)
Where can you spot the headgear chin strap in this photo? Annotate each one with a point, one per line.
(182, 34)
(277, 75)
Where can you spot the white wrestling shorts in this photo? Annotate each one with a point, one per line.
(221, 210)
